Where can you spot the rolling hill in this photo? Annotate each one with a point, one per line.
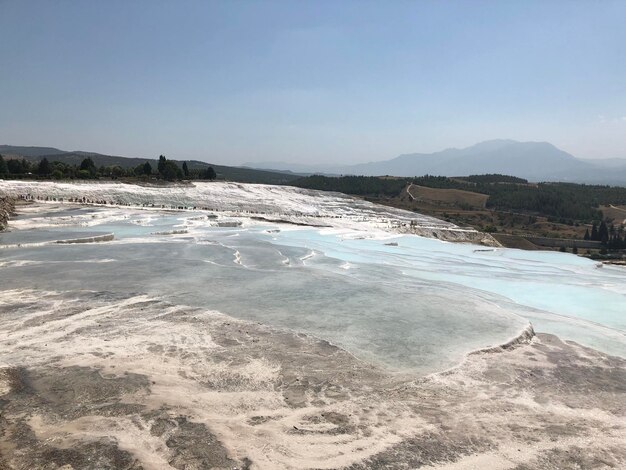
(17, 150)
(231, 173)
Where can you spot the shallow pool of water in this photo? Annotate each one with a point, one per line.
(406, 302)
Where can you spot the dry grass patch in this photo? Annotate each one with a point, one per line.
(455, 197)
(617, 213)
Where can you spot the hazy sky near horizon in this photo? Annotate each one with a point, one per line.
(311, 81)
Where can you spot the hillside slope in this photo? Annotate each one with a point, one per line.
(240, 174)
(15, 150)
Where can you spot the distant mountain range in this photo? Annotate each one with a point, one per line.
(231, 173)
(535, 161)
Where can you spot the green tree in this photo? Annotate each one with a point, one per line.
(147, 168)
(603, 233)
(594, 232)
(185, 169)
(171, 171)
(161, 165)
(17, 167)
(138, 170)
(117, 171)
(208, 174)
(89, 166)
(44, 167)
(62, 170)
(4, 169)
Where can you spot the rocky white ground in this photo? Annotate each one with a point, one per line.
(140, 383)
(276, 203)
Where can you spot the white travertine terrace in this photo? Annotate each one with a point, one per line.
(276, 203)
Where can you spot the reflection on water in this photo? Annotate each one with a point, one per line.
(419, 305)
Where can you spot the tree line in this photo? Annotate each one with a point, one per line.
(44, 169)
(613, 238)
(357, 185)
(493, 178)
(560, 202)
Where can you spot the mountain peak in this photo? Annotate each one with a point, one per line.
(493, 144)
(496, 144)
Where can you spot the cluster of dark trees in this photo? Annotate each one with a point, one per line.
(493, 178)
(44, 169)
(611, 237)
(358, 185)
(562, 203)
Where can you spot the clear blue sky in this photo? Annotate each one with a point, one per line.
(311, 81)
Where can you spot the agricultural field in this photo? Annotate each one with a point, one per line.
(445, 197)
